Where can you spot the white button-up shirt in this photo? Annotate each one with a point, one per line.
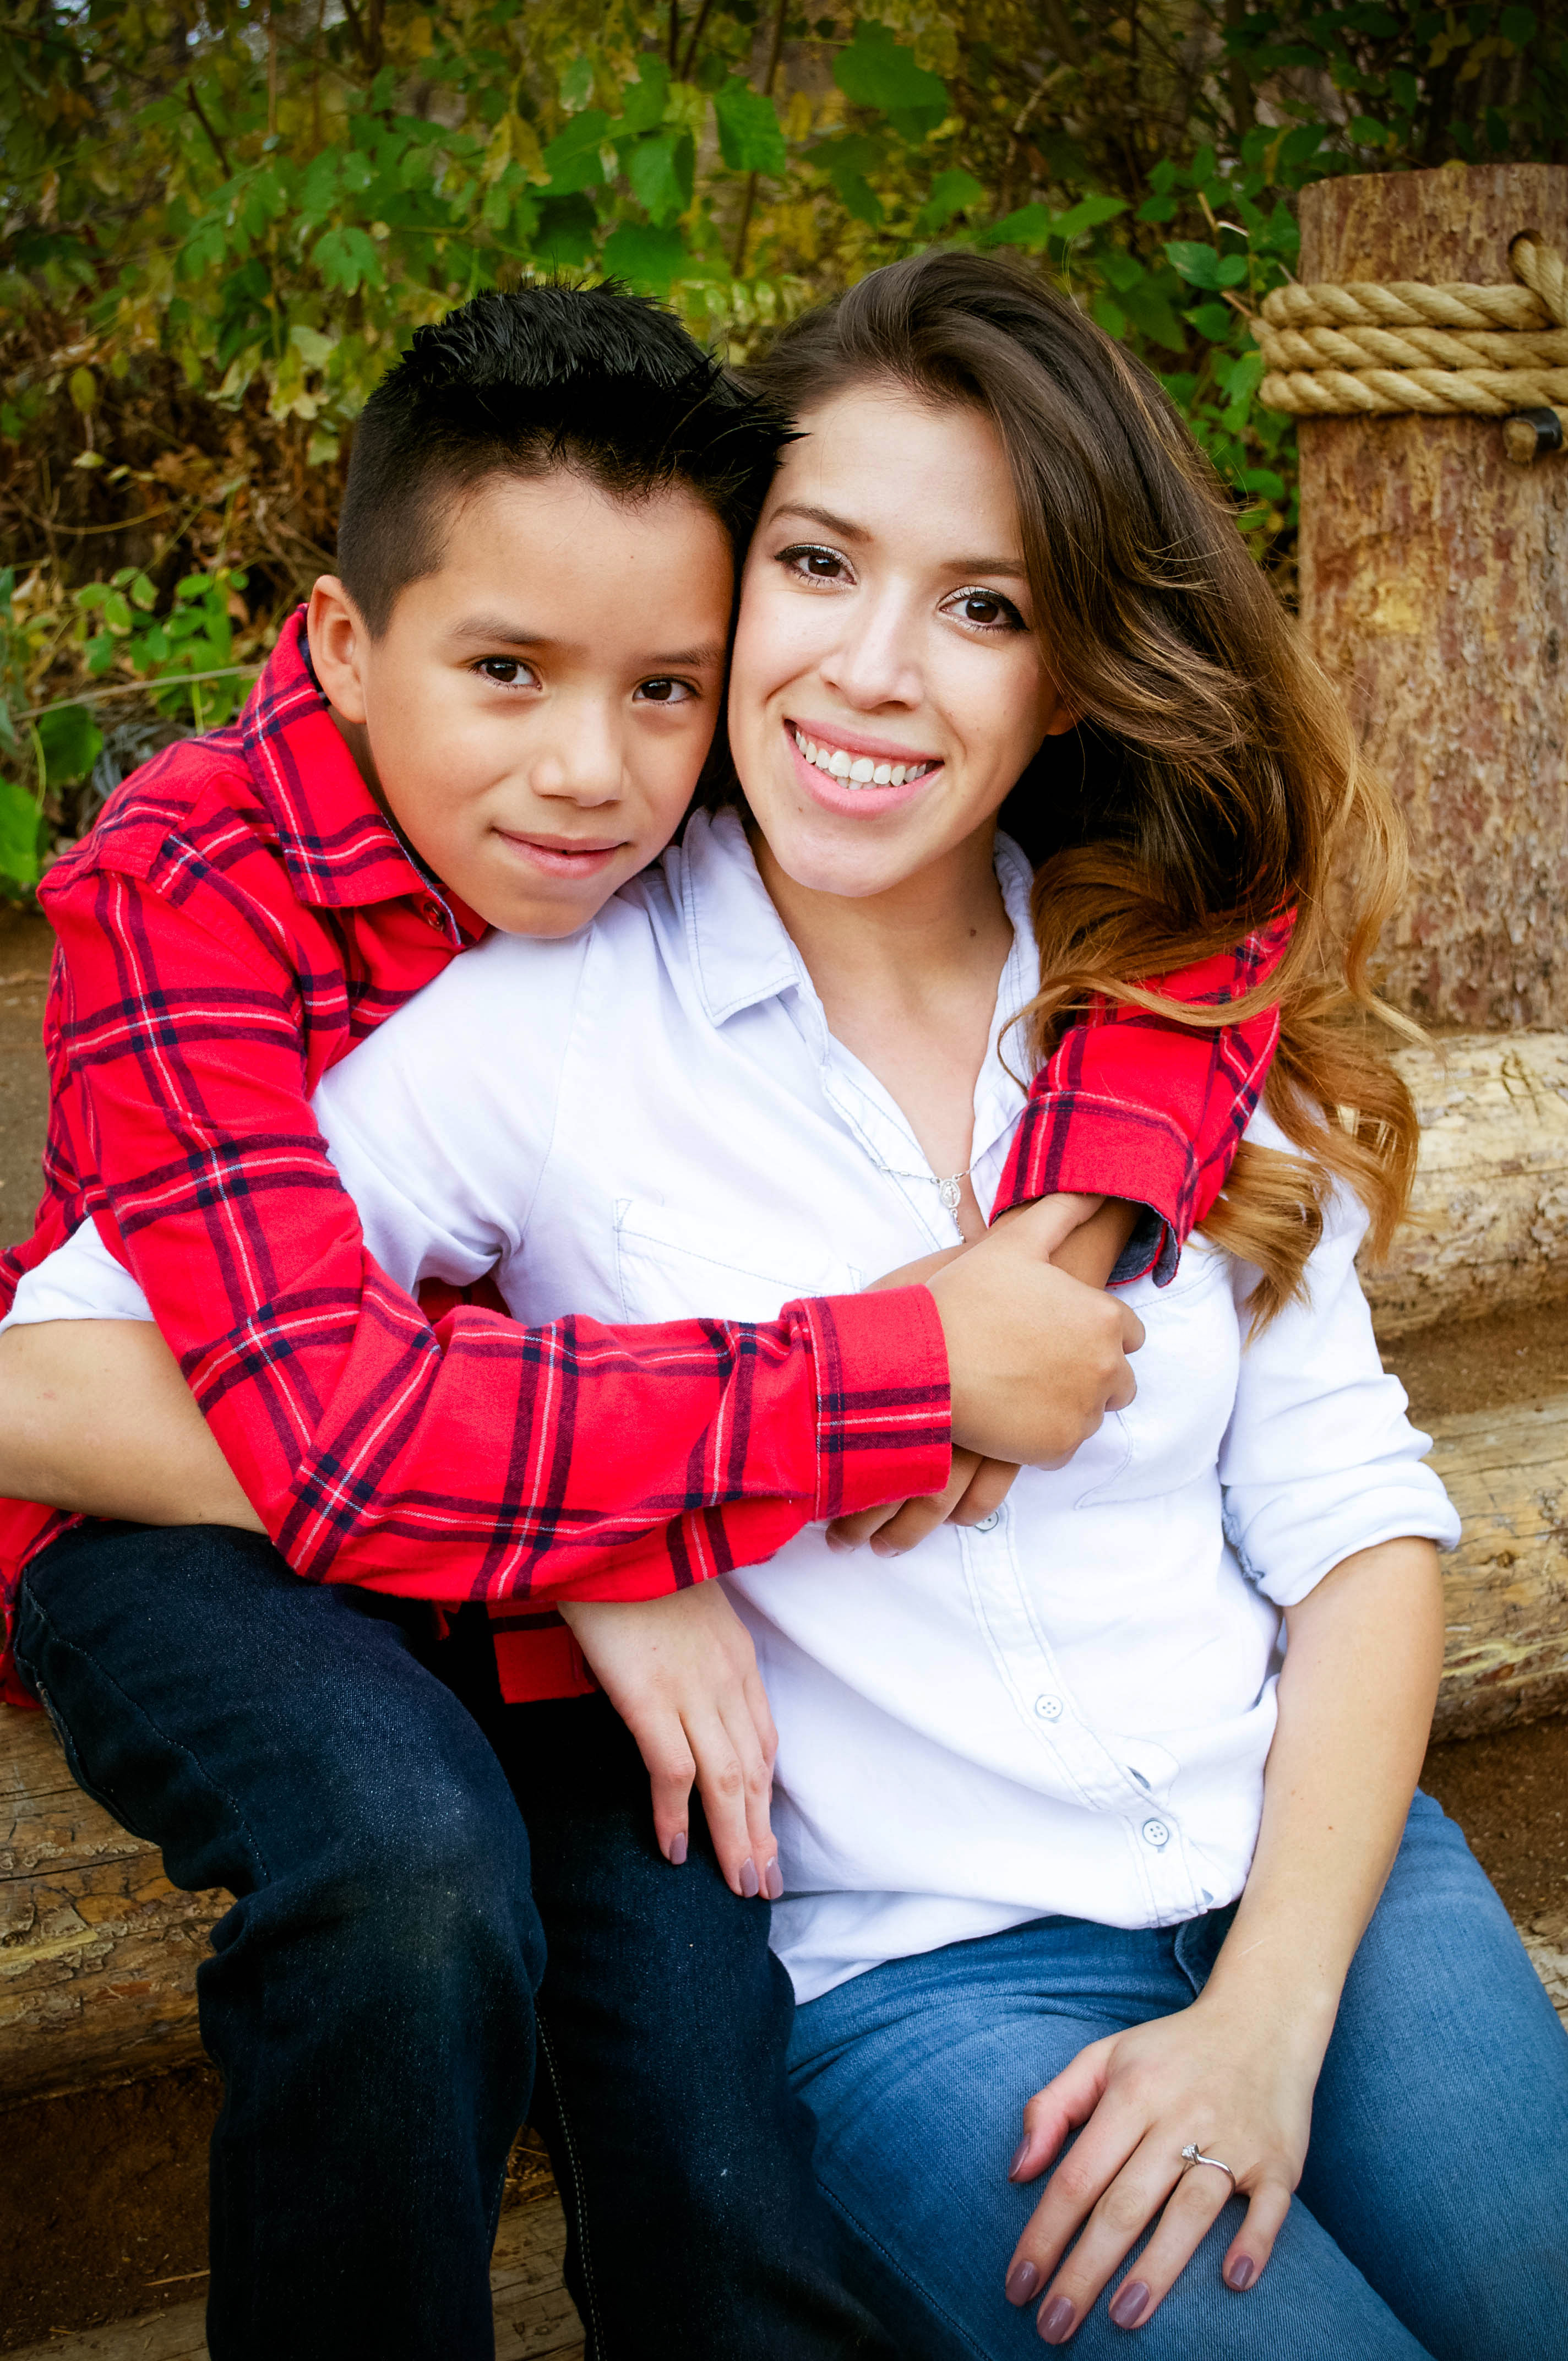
(1065, 1708)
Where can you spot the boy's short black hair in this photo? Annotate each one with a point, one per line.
(586, 378)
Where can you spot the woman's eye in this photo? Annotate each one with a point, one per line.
(816, 564)
(988, 609)
(507, 672)
(666, 692)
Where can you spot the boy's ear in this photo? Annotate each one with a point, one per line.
(339, 646)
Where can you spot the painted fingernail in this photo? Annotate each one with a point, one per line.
(1022, 2281)
(1055, 2323)
(749, 1885)
(775, 1881)
(677, 1851)
(1240, 2273)
(1020, 2156)
(1130, 2304)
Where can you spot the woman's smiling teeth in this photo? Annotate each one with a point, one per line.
(856, 770)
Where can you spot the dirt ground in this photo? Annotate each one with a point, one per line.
(103, 2195)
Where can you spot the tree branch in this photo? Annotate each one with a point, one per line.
(693, 39)
(200, 112)
(749, 199)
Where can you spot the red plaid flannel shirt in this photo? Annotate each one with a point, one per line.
(241, 916)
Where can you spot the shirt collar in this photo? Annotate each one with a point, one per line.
(340, 849)
(742, 955)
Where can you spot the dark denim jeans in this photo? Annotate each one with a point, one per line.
(372, 1999)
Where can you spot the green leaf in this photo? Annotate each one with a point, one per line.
(951, 192)
(347, 258)
(751, 139)
(644, 102)
(577, 82)
(71, 743)
(662, 172)
(878, 72)
(846, 161)
(20, 827)
(1202, 267)
(82, 388)
(1518, 25)
(1212, 321)
(646, 258)
(1029, 228)
(571, 160)
(1087, 214)
(1153, 314)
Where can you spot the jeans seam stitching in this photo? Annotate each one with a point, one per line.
(595, 2323)
(258, 1858)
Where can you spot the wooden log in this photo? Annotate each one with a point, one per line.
(1488, 1221)
(1505, 1587)
(1434, 590)
(98, 1951)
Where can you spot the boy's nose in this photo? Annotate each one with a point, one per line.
(583, 765)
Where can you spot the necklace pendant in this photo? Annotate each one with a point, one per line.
(949, 1191)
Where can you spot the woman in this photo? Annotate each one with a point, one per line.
(1066, 1849)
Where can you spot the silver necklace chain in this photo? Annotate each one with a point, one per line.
(948, 1190)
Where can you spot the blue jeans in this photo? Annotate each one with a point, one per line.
(1432, 2217)
(375, 1991)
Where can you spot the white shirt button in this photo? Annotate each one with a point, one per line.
(1156, 1833)
(1048, 1707)
(987, 1524)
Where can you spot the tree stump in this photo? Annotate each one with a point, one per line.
(1434, 591)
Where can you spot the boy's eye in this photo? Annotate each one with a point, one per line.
(816, 564)
(987, 609)
(666, 692)
(508, 672)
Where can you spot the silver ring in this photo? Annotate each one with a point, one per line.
(1193, 2154)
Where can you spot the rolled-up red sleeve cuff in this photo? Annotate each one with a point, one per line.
(883, 1408)
(1073, 1141)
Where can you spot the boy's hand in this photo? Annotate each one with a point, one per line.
(1083, 1235)
(1034, 1358)
(682, 1673)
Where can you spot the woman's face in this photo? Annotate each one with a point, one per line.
(888, 687)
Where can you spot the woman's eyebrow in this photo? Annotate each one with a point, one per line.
(846, 531)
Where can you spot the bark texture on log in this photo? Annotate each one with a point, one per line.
(1434, 591)
(1488, 1227)
(1505, 1587)
(98, 1951)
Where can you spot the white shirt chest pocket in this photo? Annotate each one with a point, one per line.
(1186, 1370)
(673, 1263)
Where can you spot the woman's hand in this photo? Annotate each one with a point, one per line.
(682, 1673)
(1237, 2085)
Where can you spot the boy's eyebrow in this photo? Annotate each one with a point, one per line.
(846, 531)
(508, 631)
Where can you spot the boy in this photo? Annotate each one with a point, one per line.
(498, 714)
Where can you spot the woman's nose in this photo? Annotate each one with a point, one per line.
(876, 661)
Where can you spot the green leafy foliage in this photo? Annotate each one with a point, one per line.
(218, 226)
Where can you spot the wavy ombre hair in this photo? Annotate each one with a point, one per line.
(1213, 784)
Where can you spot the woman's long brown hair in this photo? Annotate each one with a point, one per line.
(1213, 783)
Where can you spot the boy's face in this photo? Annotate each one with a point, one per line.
(535, 716)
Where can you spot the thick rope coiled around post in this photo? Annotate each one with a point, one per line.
(1366, 349)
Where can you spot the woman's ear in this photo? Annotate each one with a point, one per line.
(1064, 716)
(339, 647)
